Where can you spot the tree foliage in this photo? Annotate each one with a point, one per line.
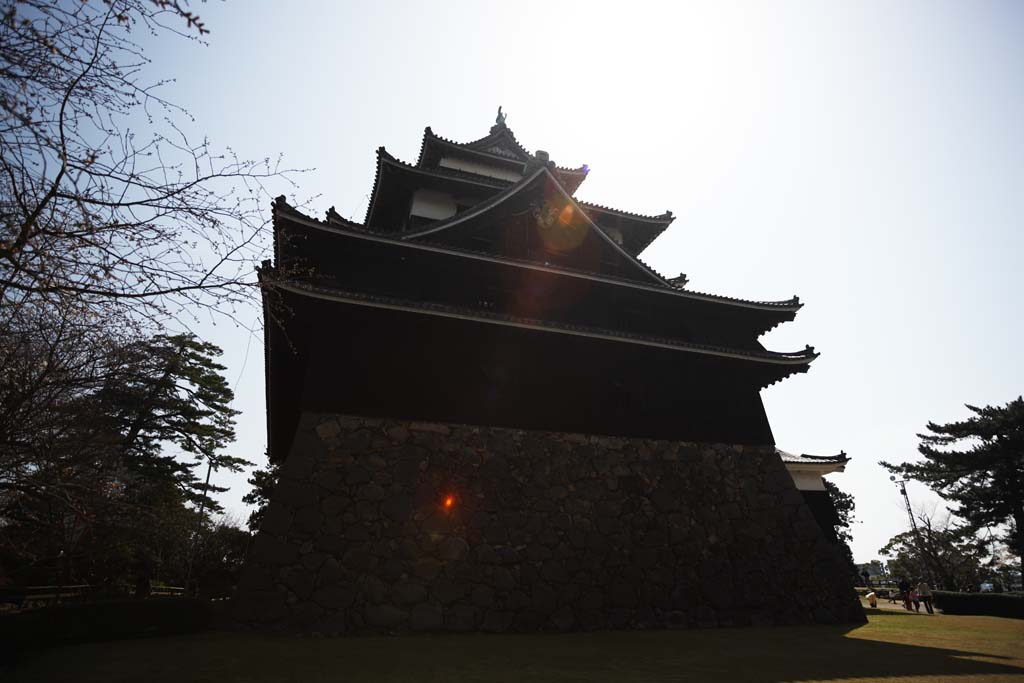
(99, 443)
(263, 483)
(947, 553)
(978, 464)
(115, 221)
(845, 507)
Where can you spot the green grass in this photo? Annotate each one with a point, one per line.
(893, 646)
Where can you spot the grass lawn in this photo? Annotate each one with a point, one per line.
(894, 646)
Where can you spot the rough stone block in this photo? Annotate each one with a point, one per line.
(271, 551)
(328, 429)
(461, 618)
(426, 618)
(453, 548)
(385, 616)
(426, 568)
(409, 593)
(334, 597)
(496, 621)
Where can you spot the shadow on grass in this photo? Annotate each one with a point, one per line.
(897, 613)
(775, 655)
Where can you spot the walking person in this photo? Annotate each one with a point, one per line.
(924, 592)
(915, 600)
(904, 587)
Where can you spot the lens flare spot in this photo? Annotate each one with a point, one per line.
(565, 215)
(560, 226)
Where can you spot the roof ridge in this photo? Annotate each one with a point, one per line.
(635, 258)
(666, 217)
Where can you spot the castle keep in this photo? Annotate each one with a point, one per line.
(490, 414)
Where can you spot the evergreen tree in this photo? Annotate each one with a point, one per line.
(169, 390)
(100, 485)
(844, 506)
(984, 476)
(262, 482)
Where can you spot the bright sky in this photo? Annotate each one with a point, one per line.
(868, 157)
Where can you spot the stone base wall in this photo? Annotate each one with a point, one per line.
(544, 532)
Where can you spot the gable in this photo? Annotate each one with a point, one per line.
(537, 220)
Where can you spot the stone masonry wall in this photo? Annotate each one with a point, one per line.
(545, 531)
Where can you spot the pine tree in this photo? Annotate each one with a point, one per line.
(98, 472)
(170, 390)
(984, 476)
(844, 506)
(262, 482)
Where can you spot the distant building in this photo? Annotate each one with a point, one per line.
(491, 414)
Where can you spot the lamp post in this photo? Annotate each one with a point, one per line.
(901, 484)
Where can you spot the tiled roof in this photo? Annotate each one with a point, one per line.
(384, 157)
(804, 459)
(665, 218)
(499, 133)
(798, 359)
(337, 223)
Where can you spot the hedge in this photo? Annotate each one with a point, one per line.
(111, 620)
(986, 604)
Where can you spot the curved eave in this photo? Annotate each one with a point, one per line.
(805, 459)
(787, 363)
(820, 468)
(382, 156)
(335, 218)
(784, 307)
(662, 220)
(638, 231)
(447, 174)
(572, 178)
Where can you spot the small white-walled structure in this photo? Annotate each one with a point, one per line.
(807, 470)
(468, 166)
(433, 205)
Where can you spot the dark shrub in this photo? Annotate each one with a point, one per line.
(102, 621)
(987, 604)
